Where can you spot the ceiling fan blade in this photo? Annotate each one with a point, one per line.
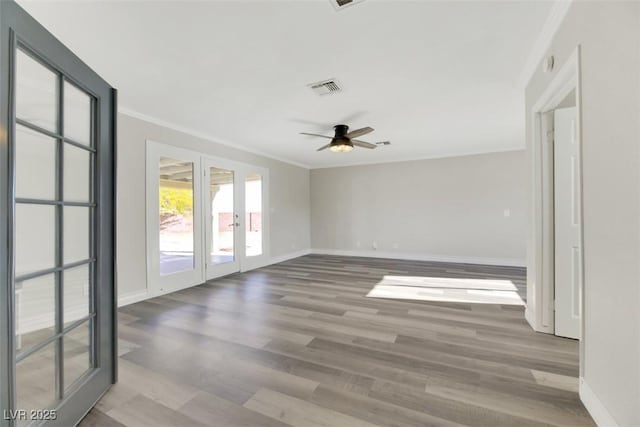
(315, 134)
(359, 132)
(324, 147)
(363, 144)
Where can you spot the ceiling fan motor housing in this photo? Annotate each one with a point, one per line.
(340, 138)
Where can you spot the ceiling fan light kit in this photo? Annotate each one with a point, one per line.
(343, 141)
(343, 146)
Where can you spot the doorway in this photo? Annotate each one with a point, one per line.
(207, 217)
(556, 284)
(57, 285)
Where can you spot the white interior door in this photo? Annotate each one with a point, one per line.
(568, 246)
(174, 218)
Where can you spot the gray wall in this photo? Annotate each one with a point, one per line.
(288, 198)
(449, 209)
(609, 33)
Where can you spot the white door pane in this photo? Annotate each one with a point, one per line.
(36, 93)
(176, 216)
(76, 234)
(35, 158)
(35, 381)
(77, 114)
(35, 238)
(76, 174)
(253, 214)
(223, 216)
(76, 353)
(76, 293)
(35, 306)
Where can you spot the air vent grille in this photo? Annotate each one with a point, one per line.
(341, 4)
(326, 87)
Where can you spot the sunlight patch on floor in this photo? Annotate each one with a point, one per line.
(447, 289)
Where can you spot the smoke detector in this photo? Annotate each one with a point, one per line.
(326, 87)
(341, 4)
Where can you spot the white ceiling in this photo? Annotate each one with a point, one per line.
(436, 78)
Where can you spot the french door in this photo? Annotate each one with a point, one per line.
(207, 217)
(174, 209)
(57, 210)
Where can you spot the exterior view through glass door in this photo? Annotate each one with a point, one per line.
(58, 305)
(222, 217)
(174, 210)
(206, 217)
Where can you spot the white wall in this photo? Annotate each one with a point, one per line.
(288, 198)
(440, 209)
(609, 33)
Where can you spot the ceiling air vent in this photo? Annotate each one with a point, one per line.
(326, 87)
(341, 4)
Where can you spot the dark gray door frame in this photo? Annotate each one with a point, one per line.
(18, 27)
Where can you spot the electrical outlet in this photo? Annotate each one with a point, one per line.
(358, 244)
(507, 213)
(374, 245)
(395, 246)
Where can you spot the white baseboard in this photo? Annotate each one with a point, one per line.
(133, 297)
(508, 262)
(597, 410)
(529, 318)
(287, 257)
(137, 296)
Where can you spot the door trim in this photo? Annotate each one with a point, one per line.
(540, 257)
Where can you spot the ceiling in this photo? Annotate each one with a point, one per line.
(436, 78)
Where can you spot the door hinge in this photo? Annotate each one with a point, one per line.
(550, 136)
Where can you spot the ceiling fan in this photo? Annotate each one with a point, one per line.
(343, 142)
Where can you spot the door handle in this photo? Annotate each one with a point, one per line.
(237, 224)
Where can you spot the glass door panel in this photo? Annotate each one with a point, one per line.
(35, 310)
(77, 114)
(36, 92)
(174, 219)
(253, 214)
(78, 359)
(37, 380)
(35, 250)
(35, 152)
(223, 217)
(176, 216)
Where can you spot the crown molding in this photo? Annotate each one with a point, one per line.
(176, 127)
(447, 155)
(542, 43)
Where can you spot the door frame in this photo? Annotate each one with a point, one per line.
(17, 27)
(541, 260)
(177, 281)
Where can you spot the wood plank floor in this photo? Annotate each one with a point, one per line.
(301, 343)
